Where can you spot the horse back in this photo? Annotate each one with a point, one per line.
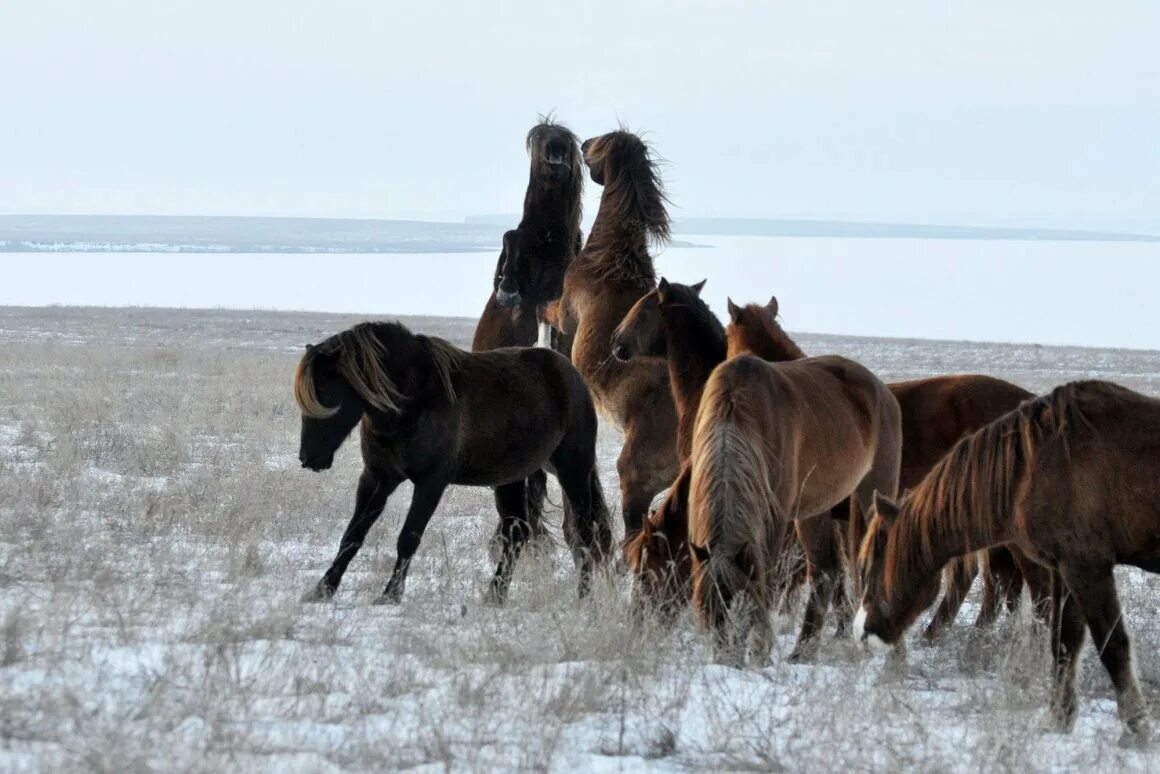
(514, 407)
(938, 411)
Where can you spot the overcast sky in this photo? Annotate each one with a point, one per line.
(968, 112)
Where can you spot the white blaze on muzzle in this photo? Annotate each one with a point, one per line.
(872, 641)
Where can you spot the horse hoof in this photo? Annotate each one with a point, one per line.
(320, 593)
(494, 597)
(1140, 739)
(389, 599)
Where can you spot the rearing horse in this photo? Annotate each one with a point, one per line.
(600, 287)
(530, 270)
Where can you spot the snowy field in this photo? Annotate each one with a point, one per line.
(156, 533)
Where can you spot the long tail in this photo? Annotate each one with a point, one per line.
(731, 497)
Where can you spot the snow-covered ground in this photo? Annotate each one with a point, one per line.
(156, 534)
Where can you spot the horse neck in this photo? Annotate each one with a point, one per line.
(618, 236)
(552, 209)
(694, 350)
(965, 504)
(772, 344)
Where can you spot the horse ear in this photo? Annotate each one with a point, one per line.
(700, 552)
(698, 286)
(886, 508)
(734, 309)
(772, 306)
(309, 347)
(663, 288)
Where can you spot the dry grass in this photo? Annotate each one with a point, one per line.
(156, 533)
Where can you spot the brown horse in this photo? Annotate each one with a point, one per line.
(1073, 479)
(936, 413)
(672, 321)
(776, 442)
(530, 270)
(436, 415)
(601, 285)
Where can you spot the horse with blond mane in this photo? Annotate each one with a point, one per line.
(1073, 479)
(612, 271)
(936, 413)
(774, 442)
(436, 415)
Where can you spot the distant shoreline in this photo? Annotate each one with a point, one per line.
(197, 234)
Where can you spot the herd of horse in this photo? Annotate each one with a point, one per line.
(776, 469)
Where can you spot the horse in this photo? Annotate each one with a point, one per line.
(672, 321)
(436, 415)
(612, 271)
(775, 442)
(936, 413)
(530, 270)
(1073, 479)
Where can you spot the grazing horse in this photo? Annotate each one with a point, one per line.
(936, 413)
(776, 442)
(672, 321)
(612, 271)
(530, 270)
(436, 415)
(1073, 479)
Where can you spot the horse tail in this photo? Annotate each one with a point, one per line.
(731, 495)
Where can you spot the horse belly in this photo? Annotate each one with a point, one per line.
(820, 489)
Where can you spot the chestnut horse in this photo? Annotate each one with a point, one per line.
(672, 321)
(775, 442)
(1073, 479)
(530, 270)
(936, 413)
(612, 271)
(436, 415)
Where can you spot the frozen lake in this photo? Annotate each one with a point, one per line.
(1086, 293)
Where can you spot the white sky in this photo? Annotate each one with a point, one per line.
(989, 111)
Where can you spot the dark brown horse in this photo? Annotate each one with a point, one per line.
(436, 415)
(602, 284)
(776, 442)
(936, 413)
(1073, 479)
(672, 321)
(530, 270)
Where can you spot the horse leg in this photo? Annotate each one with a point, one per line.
(760, 634)
(536, 487)
(1067, 635)
(593, 529)
(1008, 575)
(959, 574)
(817, 538)
(423, 503)
(646, 465)
(511, 502)
(370, 499)
(1095, 590)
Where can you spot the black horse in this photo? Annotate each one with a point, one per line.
(530, 271)
(436, 415)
